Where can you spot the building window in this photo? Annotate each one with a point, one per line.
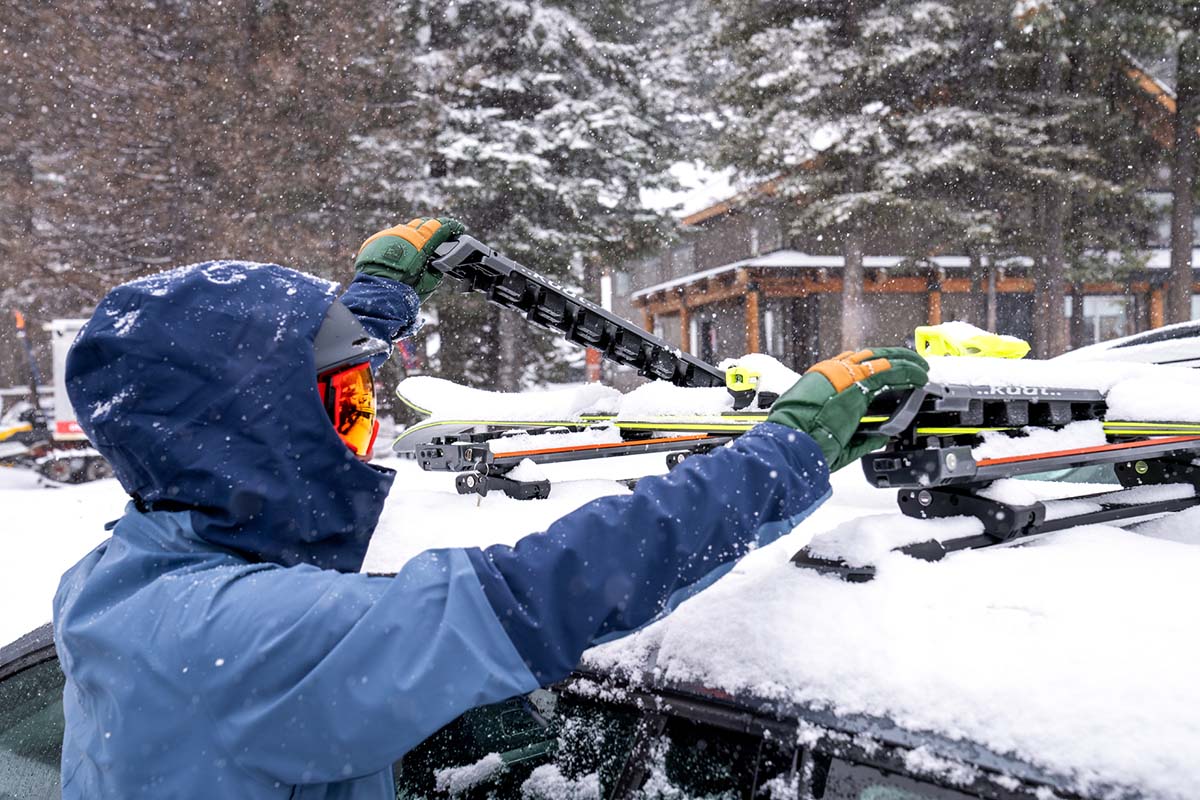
(1106, 317)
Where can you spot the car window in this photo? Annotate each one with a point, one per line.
(838, 779)
(31, 731)
(697, 760)
(539, 745)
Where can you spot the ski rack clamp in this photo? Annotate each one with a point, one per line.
(903, 417)
(510, 285)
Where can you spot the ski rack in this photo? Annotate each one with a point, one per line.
(510, 285)
(483, 470)
(956, 407)
(943, 482)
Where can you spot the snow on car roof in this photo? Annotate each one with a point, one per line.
(1075, 653)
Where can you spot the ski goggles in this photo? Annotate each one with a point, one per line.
(348, 394)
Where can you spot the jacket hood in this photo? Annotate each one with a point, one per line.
(199, 386)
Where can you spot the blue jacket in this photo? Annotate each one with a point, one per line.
(222, 643)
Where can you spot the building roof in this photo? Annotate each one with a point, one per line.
(1159, 259)
(794, 259)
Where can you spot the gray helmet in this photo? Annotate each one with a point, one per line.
(342, 339)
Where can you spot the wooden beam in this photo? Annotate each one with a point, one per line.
(695, 299)
(1014, 285)
(957, 285)
(914, 285)
(671, 306)
(1104, 288)
(685, 328)
(1156, 308)
(752, 321)
(648, 320)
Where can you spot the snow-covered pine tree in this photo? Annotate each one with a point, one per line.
(1069, 159)
(851, 107)
(531, 122)
(1169, 31)
(986, 126)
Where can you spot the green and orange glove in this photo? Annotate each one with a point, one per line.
(403, 252)
(830, 400)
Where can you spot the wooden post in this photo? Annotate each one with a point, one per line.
(1157, 311)
(752, 319)
(685, 326)
(648, 320)
(935, 306)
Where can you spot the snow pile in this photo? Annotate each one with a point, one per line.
(661, 399)
(983, 371)
(1182, 527)
(548, 783)
(1163, 394)
(957, 329)
(527, 470)
(456, 780)
(869, 539)
(1024, 493)
(921, 761)
(1169, 344)
(997, 444)
(46, 530)
(424, 511)
(773, 376)
(444, 399)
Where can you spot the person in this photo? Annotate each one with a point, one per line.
(222, 642)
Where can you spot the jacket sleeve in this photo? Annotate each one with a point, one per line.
(386, 308)
(617, 562)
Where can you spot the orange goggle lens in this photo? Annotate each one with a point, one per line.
(349, 398)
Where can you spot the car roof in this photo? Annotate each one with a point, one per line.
(878, 741)
(32, 648)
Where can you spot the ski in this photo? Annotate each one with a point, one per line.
(485, 464)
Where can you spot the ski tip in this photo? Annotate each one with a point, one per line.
(833, 567)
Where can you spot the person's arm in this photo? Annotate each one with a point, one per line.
(324, 676)
(392, 277)
(386, 308)
(612, 565)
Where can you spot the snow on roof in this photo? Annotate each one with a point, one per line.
(700, 187)
(1157, 259)
(795, 259)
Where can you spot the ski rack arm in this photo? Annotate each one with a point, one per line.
(547, 305)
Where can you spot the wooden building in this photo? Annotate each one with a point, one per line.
(736, 284)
